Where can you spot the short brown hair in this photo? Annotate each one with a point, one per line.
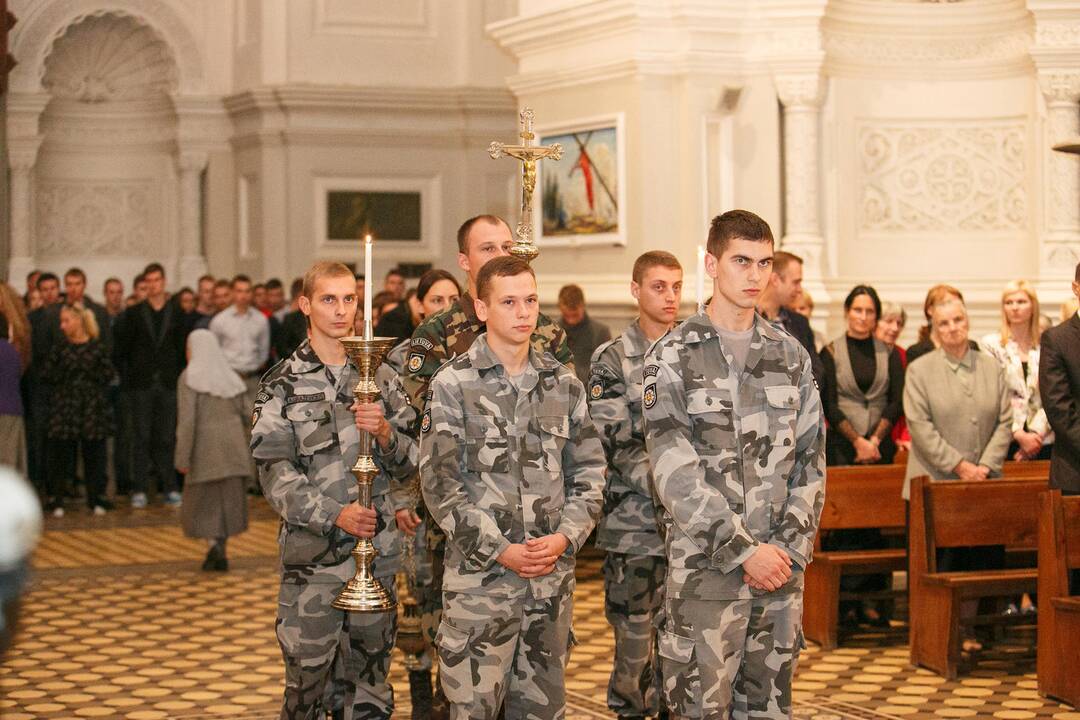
(936, 296)
(467, 226)
(503, 266)
(782, 258)
(651, 259)
(741, 224)
(75, 272)
(571, 296)
(324, 269)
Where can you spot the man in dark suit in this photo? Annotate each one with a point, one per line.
(150, 354)
(1059, 389)
(784, 288)
(38, 393)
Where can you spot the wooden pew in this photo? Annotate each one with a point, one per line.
(953, 513)
(866, 496)
(1058, 654)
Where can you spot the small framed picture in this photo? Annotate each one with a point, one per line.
(582, 197)
(401, 212)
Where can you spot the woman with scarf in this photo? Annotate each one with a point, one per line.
(212, 447)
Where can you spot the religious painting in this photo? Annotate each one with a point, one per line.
(582, 195)
(351, 214)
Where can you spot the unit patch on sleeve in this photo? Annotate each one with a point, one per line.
(649, 396)
(416, 361)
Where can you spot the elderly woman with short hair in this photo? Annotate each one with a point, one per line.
(960, 415)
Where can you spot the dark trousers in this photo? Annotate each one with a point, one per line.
(153, 418)
(122, 459)
(37, 432)
(62, 456)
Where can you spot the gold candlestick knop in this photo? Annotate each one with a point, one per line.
(364, 592)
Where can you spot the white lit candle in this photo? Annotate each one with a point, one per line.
(368, 333)
(700, 277)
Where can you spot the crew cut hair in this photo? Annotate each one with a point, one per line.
(503, 266)
(467, 226)
(653, 258)
(324, 269)
(741, 224)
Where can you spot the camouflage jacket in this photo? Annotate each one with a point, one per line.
(736, 461)
(304, 440)
(629, 523)
(499, 465)
(452, 332)
(402, 494)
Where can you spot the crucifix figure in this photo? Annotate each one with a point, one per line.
(528, 153)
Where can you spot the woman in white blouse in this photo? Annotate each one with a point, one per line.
(1016, 347)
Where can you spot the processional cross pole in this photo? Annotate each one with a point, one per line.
(528, 153)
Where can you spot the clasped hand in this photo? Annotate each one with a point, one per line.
(535, 557)
(370, 418)
(768, 568)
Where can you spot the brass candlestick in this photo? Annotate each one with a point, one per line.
(365, 593)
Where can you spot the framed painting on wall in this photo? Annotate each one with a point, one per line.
(401, 213)
(583, 195)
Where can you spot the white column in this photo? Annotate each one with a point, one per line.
(1060, 246)
(21, 162)
(192, 261)
(801, 96)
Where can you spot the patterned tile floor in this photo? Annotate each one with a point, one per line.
(120, 623)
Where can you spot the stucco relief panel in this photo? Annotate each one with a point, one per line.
(99, 218)
(931, 178)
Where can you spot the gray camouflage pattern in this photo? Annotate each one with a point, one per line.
(499, 465)
(511, 654)
(304, 439)
(736, 461)
(731, 659)
(633, 599)
(628, 523)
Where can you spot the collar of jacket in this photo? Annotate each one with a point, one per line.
(484, 358)
(304, 359)
(634, 342)
(699, 327)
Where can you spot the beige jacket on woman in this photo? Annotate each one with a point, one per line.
(956, 410)
(211, 437)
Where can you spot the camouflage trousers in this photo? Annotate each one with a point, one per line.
(421, 589)
(495, 650)
(432, 602)
(334, 660)
(633, 595)
(731, 658)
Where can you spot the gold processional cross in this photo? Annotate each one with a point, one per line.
(528, 153)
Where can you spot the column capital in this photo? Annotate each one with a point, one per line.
(192, 160)
(800, 90)
(1060, 86)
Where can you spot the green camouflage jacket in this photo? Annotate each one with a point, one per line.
(450, 333)
(736, 461)
(304, 440)
(499, 465)
(628, 524)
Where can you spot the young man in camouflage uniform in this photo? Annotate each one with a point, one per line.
(305, 437)
(634, 567)
(736, 440)
(512, 470)
(439, 339)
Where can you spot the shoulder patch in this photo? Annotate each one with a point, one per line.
(651, 370)
(596, 389)
(422, 342)
(425, 424)
(416, 361)
(649, 396)
(262, 397)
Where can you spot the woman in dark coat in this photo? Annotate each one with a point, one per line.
(80, 415)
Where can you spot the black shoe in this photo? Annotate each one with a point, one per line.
(215, 559)
(420, 691)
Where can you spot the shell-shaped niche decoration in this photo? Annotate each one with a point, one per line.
(109, 57)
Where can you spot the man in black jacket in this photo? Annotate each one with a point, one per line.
(149, 353)
(784, 288)
(1059, 389)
